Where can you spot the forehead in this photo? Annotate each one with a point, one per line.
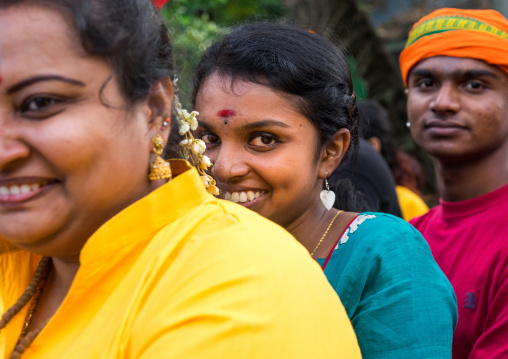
(220, 93)
(445, 66)
(32, 37)
(248, 105)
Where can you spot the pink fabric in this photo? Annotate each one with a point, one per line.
(159, 3)
(469, 241)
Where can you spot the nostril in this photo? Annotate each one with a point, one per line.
(229, 170)
(12, 151)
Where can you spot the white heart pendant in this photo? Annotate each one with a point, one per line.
(328, 198)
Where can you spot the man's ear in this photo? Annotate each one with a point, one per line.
(160, 100)
(333, 152)
(406, 91)
(376, 143)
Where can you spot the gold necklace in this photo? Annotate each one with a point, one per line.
(36, 297)
(29, 315)
(324, 235)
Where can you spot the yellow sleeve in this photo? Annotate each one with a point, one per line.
(254, 295)
(411, 205)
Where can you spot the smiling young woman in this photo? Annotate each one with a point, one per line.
(100, 254)
(291, 117)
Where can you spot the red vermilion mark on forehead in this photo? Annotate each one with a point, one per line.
(1, 79)
(226, 113)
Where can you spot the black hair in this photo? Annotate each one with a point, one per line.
(348, 198)
(374, 122)
(290, 61)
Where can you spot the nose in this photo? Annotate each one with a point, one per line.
(446, 100)
(230, 165)
(12, 148)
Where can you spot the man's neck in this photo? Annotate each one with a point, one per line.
(463, 181)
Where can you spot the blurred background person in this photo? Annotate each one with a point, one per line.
(364, 182)
(406, 171)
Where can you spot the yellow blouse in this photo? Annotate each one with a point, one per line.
(411, 205)
(181, 274)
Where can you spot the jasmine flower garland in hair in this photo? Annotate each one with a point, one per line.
(191, 149)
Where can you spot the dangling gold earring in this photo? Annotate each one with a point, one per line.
(159, 169)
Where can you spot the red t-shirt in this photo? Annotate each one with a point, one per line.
(469, 241)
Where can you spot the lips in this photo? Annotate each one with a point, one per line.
(12, 193)
(443, 128)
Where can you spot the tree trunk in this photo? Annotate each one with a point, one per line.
(343, 19)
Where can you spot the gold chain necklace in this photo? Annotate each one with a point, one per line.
(36, 297)
(324, 235)
(29, 315)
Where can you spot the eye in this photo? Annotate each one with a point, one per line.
(209, 138)
(425, 83)
(38, 103)
(474, 85)
(41, 106)
(264, 140)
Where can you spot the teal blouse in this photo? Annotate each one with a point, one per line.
(400, 303)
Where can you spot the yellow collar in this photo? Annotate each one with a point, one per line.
(148, 215)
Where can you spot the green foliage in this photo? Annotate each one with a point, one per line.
(360, 86)
(196, 24)
(231, 12)
(191, 35)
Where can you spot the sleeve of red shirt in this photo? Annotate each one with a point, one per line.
(493, 342)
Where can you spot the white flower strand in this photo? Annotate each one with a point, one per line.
(193, 150)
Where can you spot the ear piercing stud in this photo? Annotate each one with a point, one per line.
(165, 123)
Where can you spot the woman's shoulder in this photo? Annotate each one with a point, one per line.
(236, 235)
(377, 249)
(374, 229)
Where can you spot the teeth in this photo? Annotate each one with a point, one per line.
(14, 190)
(241, 197)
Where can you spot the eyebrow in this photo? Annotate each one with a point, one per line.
(457, 73)
(264, 123)
(250, 126)
(421, 73)
(479, 73)
(42, 78)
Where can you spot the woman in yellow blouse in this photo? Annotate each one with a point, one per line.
(101, 256)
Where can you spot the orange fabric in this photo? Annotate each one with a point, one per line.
(478, 34)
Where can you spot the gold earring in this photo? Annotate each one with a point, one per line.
(159, 169)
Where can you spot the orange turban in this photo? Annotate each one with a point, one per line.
(478, 34)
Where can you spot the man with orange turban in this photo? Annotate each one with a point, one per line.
(455, 67)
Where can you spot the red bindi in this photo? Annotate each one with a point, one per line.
(1, 79)
(226, 113)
